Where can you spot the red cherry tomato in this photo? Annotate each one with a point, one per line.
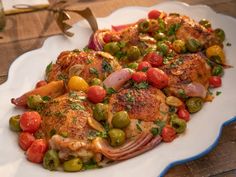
(107, 37)
(96, 94)
(25, 140)
(154, 14)
(41, 83)
(168, 133)
(154, 59)
(36, 151)
(215, 81)
(30, 121)
(183, 114)
(144, 66)
(157, 78)
(139, 77)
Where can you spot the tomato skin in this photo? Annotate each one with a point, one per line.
(168, 133)
(144, 66)
(154, 59)
(96, 94)
(157, 78)
(183, 114)
(154, 14)
(139, 77)
(107, 37)
(25, 140)
(41, 83)
(215, 81)
(36, 151)
(30, 121)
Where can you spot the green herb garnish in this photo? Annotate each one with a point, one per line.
(93, 71)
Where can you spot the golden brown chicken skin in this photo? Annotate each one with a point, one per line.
(185, 69)
(189, 29)
(89, 65)
(141, 104)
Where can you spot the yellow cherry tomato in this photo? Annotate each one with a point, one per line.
(215, 50)
(78, 84)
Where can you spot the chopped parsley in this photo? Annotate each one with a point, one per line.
(181, 93)
(161, 25)
(129, 97)
(155, 131)
(53, 132)
(138, 126)
(110, 91)
(106, 67)
(173, 28)
(58, 114)
(93, 134)
(93, 71)
(62, 77)
(74, 120)
(142, 85)
(160, 124)
(46, 98)
(218, 93)
(76, 106)
(228, 44)
(48, 68)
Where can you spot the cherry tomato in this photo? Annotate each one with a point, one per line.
(154, 14)
(36, 151)
(41, 83)
(107, 37)
(25, 140)
(30, 121)
(139, 77)
(144, 66)
(154, 59)
(215, 81)
(168, 133)
(157, 78)
(96, 94)
(183, 114)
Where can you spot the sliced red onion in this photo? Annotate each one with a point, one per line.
(96, 40)
(118, 78)
(195, 89)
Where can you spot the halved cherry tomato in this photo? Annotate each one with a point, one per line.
(36, 151)
(144, 66)
(168, 133)
(154, 14)
(41, 83)
(107, 37)
(25, 140)
(30, 121)
(154, 59)
(183, 114)
(139, 77)
(157, 78)
(96, 94)
(215, 81)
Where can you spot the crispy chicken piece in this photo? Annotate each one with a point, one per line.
(188, 72)
(89, 65)
(191, 29)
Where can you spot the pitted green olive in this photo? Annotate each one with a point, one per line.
(73, 165)
(194, 104)
(100, 112)
(51, 160)
(120, 120)
(117, 137)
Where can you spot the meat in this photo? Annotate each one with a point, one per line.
(89, 65)
(186, 69)
(190, 29)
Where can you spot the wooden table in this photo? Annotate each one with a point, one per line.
(27, 31)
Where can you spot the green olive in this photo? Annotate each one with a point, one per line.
(220, 34)
(34, 101)
(205, 23)
(73, 165)
(100, 112)
(112, 48)
(144, 26)
(193, 45)
(179, 46)
(120, 120)
(95, 81)
(162, 48)
(217, 70)
(160, 36)
(14, 123)
(194, 104)
(133, 53)
(178, 124)
(117, 137)
(51, 160)
(133, 65)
